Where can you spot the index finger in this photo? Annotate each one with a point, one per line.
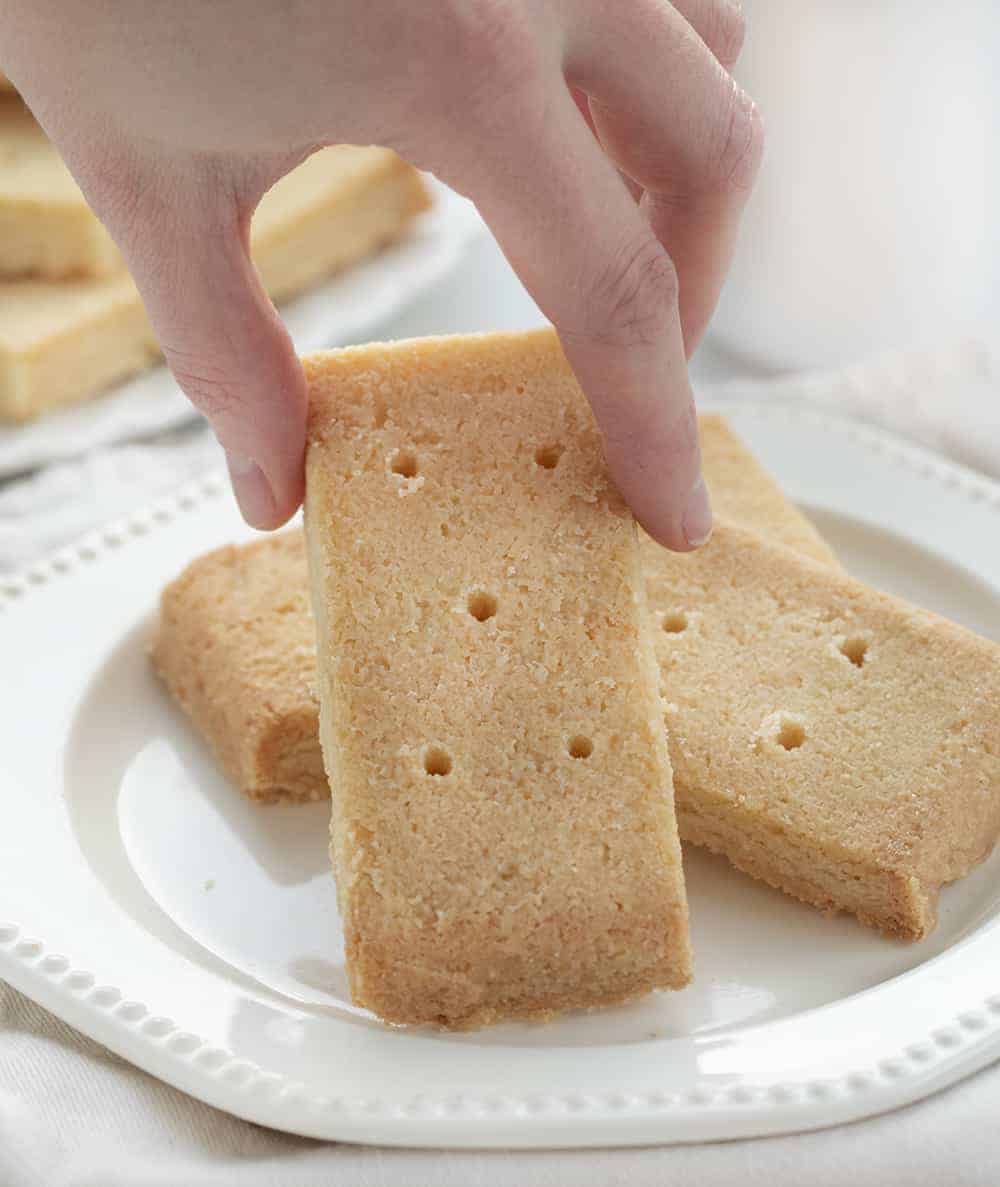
(576, 238)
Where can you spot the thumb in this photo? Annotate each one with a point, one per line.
(225, 344)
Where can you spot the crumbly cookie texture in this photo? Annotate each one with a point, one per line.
(503, 834)
(235, 645)
(63, 342)
(835, 742)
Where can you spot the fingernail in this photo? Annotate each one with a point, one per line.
(253, 491)
(697, 521)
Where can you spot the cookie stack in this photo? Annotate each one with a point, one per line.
(71, 321)
(502, 664)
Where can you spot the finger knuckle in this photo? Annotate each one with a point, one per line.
(633, 299)
(735, 151)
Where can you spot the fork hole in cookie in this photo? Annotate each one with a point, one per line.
(791, 733)
(404, 463)
(580, 746)
(482, 605)
(547, 456)
(437, 761)
(675, 623)
(855, 649)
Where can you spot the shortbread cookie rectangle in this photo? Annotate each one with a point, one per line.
(835, 742)
(236, 646)
(64, 342)
(503, 834)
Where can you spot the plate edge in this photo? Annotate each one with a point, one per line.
(227, 1081)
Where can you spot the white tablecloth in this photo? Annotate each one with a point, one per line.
(74, 1115)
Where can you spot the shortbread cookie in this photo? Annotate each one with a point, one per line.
(503, 833)
(236, 646)
(835, 742)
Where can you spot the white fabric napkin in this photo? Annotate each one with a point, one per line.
(46, 510)
(74, 1115)
(948, 400)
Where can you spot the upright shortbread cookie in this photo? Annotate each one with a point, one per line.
(61, 343)
(833, 741)
(241, 690)
(236, 646)
(5, 83)
(503, 834)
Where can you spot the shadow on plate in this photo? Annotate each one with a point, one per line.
(124, 716)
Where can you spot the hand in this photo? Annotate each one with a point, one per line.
(604, 143)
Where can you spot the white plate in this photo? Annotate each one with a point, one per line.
(147, 904)
(345, 309)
